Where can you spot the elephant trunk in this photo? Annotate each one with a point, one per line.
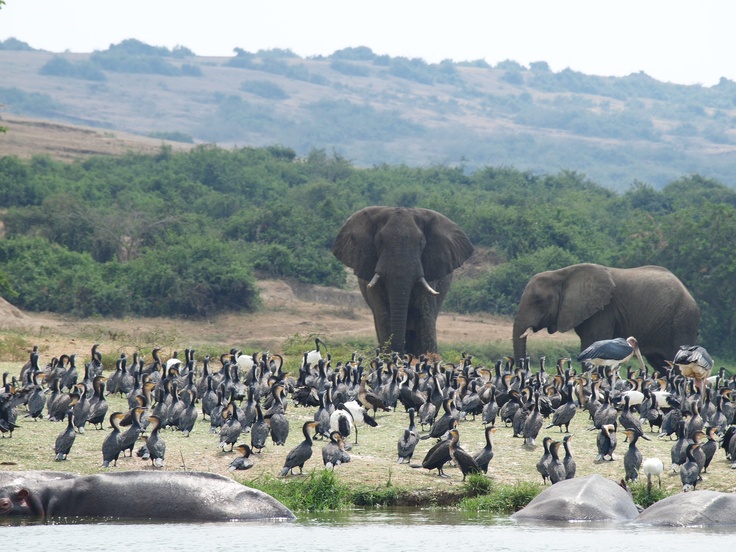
(399, 305)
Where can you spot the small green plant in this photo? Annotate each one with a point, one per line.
(477, 484)
(645, 497)
(375, 496)
(319, 491)
(502, 499)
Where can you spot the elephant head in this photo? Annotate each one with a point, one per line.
(560, 300)
(403, 259)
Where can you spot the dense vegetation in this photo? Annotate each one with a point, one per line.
(186, 233)
(374, 108)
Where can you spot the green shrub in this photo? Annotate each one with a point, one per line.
(503, 499)
(318, 491)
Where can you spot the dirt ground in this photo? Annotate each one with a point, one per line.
(288, 310)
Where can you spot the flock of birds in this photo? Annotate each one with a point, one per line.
(249, 395)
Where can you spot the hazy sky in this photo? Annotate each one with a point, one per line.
(671, 40)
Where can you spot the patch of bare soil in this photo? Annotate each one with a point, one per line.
(288, 310)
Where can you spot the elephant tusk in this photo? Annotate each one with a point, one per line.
(428, 287)
(529, 331)
(374, 280)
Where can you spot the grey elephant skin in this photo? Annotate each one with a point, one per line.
(172, 496)
(647, 302)
(404, 259)
(693, 509)
(591, 498)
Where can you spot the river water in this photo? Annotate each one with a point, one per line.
(405, 530)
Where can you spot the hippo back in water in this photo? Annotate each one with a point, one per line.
(697, 508)
(591, 498)
(184, 496)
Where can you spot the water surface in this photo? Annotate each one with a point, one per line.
(407, 530)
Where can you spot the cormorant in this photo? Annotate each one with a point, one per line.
(242, 462)
(408, 442)
(484, 456)
(111, 444)
(555, 469)
(462, 459)
(606, 442)
(300, 453)
(65, 439)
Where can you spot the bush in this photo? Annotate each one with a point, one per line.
(318, 492)
(502, 499)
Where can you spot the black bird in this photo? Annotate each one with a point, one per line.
(555, 469)
(408, 442)
(438, 456)
(612, 352)
(462, 459)
(543, 463)
(155, 444)
(710, 447)
(484, 456)
(242, 462)
(678, 452)
(300, 453)
(111, 444)
(259, 431)
(532, 424)
(690, 471)
(128, 439)
(568, 461)
(189, 415)
(606, 442)
(333, 452)
(65, 439)
(564, 413)
(231, 429)
(633, 457)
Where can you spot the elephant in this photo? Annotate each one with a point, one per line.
(591, 498)
(181, 496)
(404, 259)
(647, 302)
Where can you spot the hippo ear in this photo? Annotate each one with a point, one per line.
(22, 495)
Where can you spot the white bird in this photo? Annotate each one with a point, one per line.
(651, 467)
(348, 416)
(314, 356)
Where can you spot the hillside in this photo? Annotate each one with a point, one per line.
(375, 109)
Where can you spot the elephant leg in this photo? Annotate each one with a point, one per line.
(377, 300)
(421, 329)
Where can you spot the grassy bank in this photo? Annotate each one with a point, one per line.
(371, 478)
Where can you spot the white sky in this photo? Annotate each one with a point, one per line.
(680, 41)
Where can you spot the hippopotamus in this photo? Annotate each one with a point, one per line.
(698, 508)
(591, 498)
(184, 496)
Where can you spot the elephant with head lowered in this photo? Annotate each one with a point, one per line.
(647, 302)
(404, 259)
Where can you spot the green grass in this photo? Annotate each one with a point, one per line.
(645, 497)
(500, 499)
(319, 491)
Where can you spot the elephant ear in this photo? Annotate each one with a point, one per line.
(447, 245)
(586, 289)
(354, 245)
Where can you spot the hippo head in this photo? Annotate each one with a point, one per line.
(16, 503)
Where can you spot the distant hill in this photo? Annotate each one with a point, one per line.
(375, 109)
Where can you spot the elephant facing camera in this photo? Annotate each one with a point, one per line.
(404, 259)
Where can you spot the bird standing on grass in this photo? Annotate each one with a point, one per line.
(300, 453)
(65, 439)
